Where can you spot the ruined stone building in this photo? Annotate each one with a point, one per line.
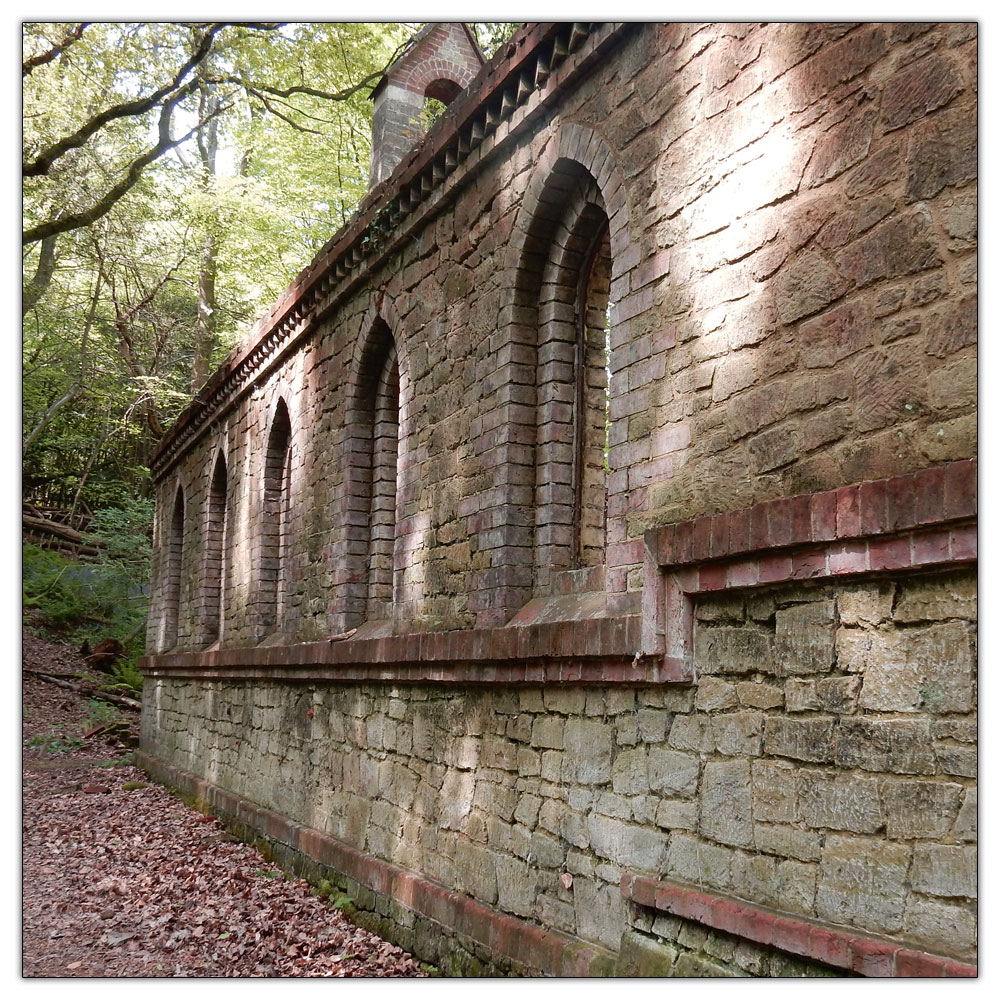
(631, 423)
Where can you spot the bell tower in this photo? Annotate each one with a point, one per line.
(438, 63)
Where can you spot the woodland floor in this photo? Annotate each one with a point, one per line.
(122, 879)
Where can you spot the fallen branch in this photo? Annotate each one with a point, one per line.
(114, 699)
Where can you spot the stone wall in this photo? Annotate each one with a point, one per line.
(759, 677)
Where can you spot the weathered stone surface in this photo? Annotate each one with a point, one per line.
(628, 772)
(676, 814)
(515, 886)
(940, 927)
(807, 286)
(737, 733)
(475, 871)
(966, 825)
(715, 695)
(696, 861)
(866, 604)
(600, 912)
(759, 695)
(732, 651)
(900, 746)
(588, 752)
(672, 773)
(800, 696)
(627, 844)
(838, 694)
(919, 668)
(802, 739)
(691, 965)
(787, 842)
(937, 600)
(726, 803)
(943, 870)
(839, 802)
(642, 956)
(795, 890)
(919, 808)
(804, 638)
(775, 791)
(926, 86)
(863, 882)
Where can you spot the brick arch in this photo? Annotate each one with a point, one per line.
(376, 428)
(273, 535)
(170, 601)
(216, 561)
(569, 243)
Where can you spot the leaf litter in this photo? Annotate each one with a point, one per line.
(130, 882)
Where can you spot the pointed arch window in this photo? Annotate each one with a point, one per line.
(216, 560)
(275, 524)
(172, 573)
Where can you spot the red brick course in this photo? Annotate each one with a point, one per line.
(850, 530)
(840, 947)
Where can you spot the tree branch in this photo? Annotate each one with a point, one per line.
(46, 57)
(43, 162)
(105, 204)
(43, 275)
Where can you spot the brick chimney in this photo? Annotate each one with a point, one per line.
(439, 62)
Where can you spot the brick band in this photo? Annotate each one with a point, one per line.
(840, 947)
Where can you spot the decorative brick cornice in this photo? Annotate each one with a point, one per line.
(539, 949)
(841, 947)
(536, 64)
(923, 520)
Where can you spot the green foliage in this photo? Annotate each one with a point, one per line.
(55, 741)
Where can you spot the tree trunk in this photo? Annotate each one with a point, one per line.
(208, 148)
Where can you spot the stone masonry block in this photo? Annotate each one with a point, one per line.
(919, 808)
(913, 669)
(775, 791)
(940, 927)
(901, 746)
(702, 863)
(726, 803)
(802, 739)
(840, 802)
(866, 604)
(737, 733)
(588, 752)
(672, 773)
(863, 882)
(626, 844)
(804, 638)
(727, 650)
(643, 956)
(943, 870)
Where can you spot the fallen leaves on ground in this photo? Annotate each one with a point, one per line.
(122, 879)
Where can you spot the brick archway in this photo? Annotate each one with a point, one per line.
(376, 426)
(570, 241)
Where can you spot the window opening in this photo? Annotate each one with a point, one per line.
(275, 522)
(216, 544)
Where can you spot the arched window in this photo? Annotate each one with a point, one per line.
(566, 270)
(373, 444)
(172, 573)
(215, 583)
(274, 526)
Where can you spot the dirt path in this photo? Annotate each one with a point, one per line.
(122, 879)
